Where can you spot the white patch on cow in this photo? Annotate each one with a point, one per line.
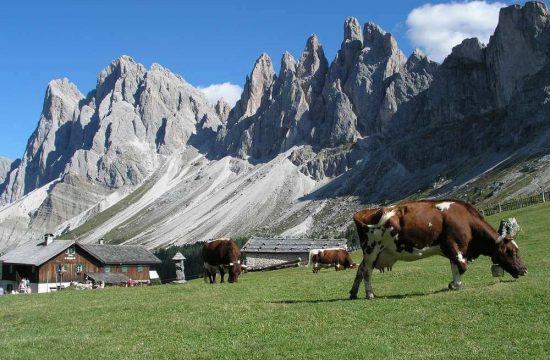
(430, 224)
(444, 205)
(515, 244)
(384, 219)
(418, 254)
(460, 258)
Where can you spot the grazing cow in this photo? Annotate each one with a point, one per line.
(415, 230)
(219, 256)
(337, 257)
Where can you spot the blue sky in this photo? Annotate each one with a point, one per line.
(207, 42)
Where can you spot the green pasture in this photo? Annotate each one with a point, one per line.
(296, 314)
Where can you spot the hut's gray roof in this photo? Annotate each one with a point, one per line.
(290, 245)
(35, 253)
(121, 254)
(178, 256)
(108, 278)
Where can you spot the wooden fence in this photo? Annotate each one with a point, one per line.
(516, 203)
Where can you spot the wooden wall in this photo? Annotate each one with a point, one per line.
(48, 270)
(132, 271)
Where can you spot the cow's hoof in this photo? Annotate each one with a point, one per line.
(454, 286)
(370, 296)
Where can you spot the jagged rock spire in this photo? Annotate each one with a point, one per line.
(352, 30)
(288, 64)
(313, 60)
(222, 109)
(376, 38)
(312, 68)
(258, 85)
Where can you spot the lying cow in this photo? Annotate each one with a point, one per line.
(219, 256)
(419, 229)
(326, 258)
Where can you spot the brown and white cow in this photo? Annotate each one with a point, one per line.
(221, 255)
(415, 230)
(337, 257)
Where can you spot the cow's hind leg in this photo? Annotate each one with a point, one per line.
(364, 272)
(456, 283)
(358, 277)
(368, 284)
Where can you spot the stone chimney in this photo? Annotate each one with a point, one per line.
(48, 239)
(101, 241)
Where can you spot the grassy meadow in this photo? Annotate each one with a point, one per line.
(294, 313)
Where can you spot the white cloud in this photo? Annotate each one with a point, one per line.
(230, 93)
(437, 28)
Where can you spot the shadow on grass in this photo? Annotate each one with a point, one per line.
(397, 296)
(502, 281)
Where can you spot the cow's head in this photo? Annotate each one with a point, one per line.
(234, 271)
(507, 256)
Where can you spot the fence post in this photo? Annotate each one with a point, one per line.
(499, 208)
(543, 199)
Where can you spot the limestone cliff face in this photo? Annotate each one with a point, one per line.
(49, 147)
(5, 167)
(117, 135)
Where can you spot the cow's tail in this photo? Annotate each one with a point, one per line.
(310, 257)
(311, 253)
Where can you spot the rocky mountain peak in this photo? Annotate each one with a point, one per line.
(60, 99)
(222, 109)
(468, 52)
(313, 60)
(377, 39)
(312, 68)
(520, 47)
(288, 64)
(352, 30)
(258, 86)
(123, 76)
(5, 167)
(418, 60)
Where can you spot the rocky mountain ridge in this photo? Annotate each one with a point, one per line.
(143, 158)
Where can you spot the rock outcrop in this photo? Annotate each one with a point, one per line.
(5, 167)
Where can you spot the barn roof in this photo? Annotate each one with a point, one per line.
(121, 254)
(35, 253)
(290, 245)
(108, 278)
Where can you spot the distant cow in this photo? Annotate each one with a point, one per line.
(337, 257)
(415, 230)
(219, 256)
